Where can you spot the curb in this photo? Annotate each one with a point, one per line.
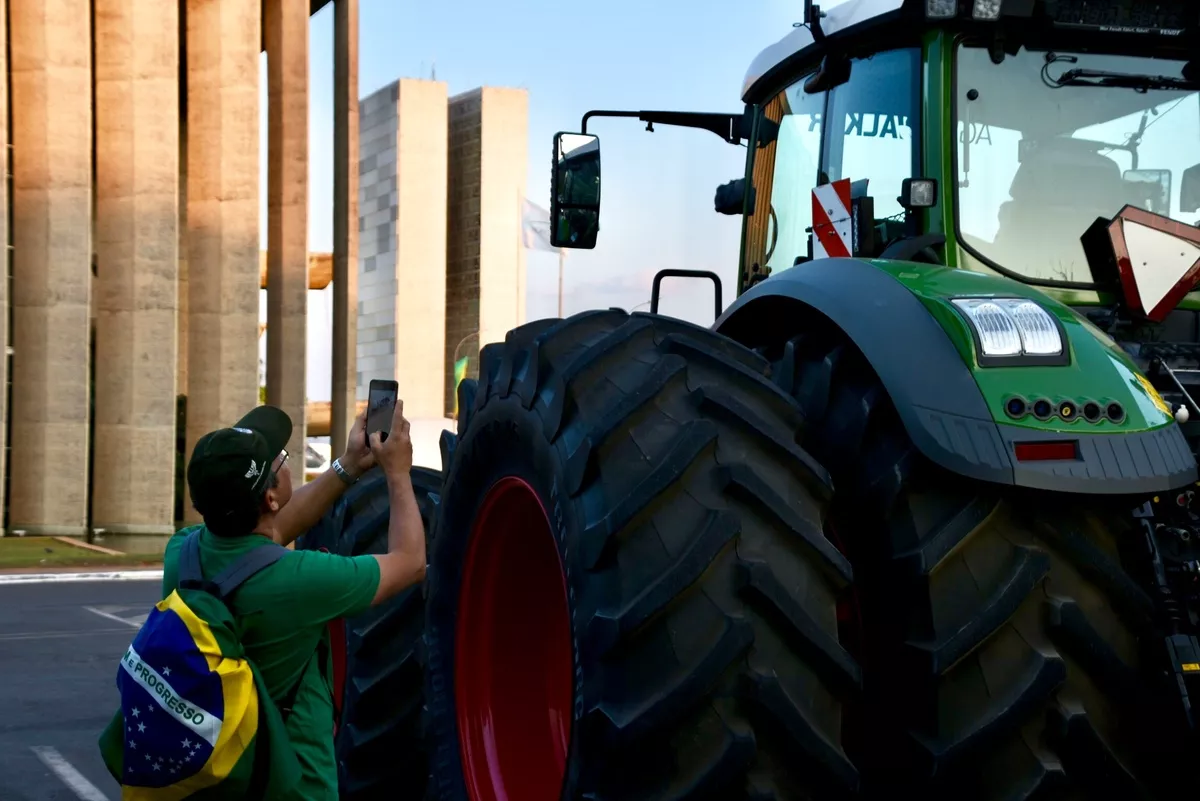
(110, 575)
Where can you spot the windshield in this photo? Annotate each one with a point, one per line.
(1038, 164)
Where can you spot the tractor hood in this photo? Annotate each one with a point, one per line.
(975, 397)
(1097, 368)
(1153, 259)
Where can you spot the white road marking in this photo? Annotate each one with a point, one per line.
(65, 771)
(135, 621)
(55, 635)
(111, 575)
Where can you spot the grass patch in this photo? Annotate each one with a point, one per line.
(45, 552)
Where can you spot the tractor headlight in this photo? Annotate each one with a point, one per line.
(1013, 331)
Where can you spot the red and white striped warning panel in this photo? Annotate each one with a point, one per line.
(1158, 259)
(832, 227)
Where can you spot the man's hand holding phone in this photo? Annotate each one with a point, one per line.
(395, 454)
(404, 563)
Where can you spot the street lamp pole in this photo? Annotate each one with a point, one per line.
(562, 258)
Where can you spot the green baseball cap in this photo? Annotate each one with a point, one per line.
(230, 467)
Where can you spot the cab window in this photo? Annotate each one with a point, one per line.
(785, 171)
(867, 130)
(877, 118)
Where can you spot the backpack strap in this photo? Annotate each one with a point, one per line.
(251, 563)
(191, 577)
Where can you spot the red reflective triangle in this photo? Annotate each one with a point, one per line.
(1158, 260)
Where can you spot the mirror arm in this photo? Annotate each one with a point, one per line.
(733, 128)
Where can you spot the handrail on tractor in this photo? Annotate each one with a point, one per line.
(676, 273)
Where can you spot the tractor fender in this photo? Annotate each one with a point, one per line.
(938, 400)
(937, 397)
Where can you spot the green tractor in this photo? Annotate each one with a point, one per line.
(916, 514)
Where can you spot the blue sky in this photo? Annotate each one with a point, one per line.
(571, 57)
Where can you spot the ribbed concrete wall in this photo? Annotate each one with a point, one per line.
(136, 241)
(286, 27)
(462, 244)
(224, 38)
(51, 79)
(377, 201)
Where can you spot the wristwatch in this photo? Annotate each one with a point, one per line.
(342, 473)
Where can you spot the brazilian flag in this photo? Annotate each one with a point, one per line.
(460, 372)
(195, 721)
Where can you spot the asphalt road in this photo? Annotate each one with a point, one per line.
(58, 668)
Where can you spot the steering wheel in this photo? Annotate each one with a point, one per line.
(928, 256)
(916, 248)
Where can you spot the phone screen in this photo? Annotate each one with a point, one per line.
(381, 404)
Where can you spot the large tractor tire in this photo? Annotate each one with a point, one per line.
(380, 659)
(999, 634)
(630, 595)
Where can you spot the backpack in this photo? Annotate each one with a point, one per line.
(196, 720)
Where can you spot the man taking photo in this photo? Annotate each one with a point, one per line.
(240, 482)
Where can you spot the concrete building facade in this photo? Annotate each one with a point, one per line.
(402, 242)
(134, 249)
(135, 260)
(442, 269)
(485, 262)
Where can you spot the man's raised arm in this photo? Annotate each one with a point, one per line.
(314, 499)
(404, 563)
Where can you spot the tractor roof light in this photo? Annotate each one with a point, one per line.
(1012, 328)
(986, 10)
(941, 9)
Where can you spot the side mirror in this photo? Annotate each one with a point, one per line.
(1151, 190)
(731, 197)
(1189, 191)
(575, 191)
(833, 72)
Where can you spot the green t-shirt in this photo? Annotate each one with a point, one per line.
(283, 612)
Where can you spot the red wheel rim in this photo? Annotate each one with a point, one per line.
(513, 656)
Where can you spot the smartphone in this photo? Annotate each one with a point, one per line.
(381, 405)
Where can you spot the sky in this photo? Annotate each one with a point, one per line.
(657, 212)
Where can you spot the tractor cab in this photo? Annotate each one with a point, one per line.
(985, 134)
(1055, 143)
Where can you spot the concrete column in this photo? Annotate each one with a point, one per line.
(4, 200)
(51, 79)
(402, 280)
(345, 219)
(224, 39)
(285, 24)
(137, 241)
(181, 283)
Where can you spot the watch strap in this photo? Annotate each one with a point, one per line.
(342, 473)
